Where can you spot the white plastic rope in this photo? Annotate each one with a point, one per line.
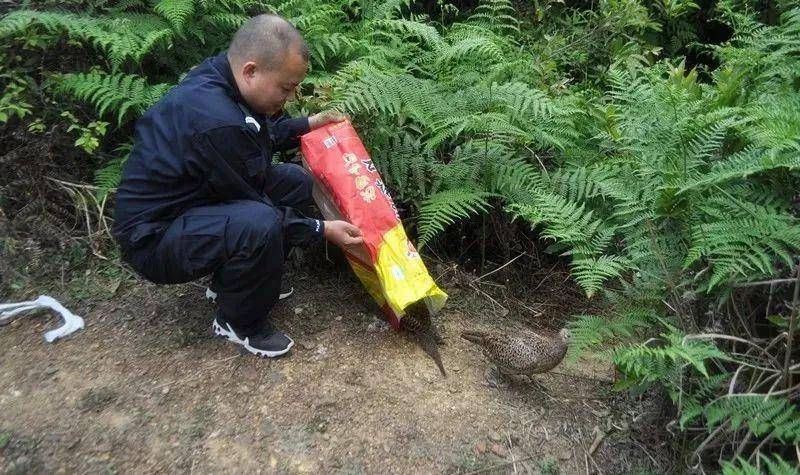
(71, 324)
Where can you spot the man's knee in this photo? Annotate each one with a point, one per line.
(303, 181)
(254, 226)
(298, 184)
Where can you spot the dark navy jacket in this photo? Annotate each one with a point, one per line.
(197, 146)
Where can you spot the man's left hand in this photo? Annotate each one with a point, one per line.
(324, 118)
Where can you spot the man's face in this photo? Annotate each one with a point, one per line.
(266, 91)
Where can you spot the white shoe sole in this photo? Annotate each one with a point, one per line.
(212, 296)
(230, 335)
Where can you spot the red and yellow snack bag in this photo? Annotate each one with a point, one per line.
(348, 186)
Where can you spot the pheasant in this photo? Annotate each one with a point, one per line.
(523, 355)
(417, 322)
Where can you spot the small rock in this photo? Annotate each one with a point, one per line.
(378, 326)
(298, 310)
(495, 437)
(338, 319)
(499, 450)
(50, 371)
(480, 447)
(165, 390)
(104, 447)
(321, 353)
(307, 344)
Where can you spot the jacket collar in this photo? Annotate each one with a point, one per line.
(223, 66)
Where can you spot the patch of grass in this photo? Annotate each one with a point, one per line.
(470, 462)
(20, 455)
(549, 466)
(201, 420)
(5, 438)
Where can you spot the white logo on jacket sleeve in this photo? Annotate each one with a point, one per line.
(251, 120)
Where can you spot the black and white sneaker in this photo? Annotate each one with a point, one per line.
(212, 296)
(267, 344)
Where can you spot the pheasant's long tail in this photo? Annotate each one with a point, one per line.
(428, 344)
(475, 337)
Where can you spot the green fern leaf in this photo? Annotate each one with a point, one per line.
(177, 12)
(446, 207)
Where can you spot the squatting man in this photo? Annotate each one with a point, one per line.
(199, 195)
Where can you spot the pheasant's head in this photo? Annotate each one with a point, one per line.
(564, 334)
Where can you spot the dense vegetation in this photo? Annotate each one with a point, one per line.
(656, 145)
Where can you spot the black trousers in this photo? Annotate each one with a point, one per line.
(242, 244)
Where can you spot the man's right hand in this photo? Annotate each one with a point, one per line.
(343, 234)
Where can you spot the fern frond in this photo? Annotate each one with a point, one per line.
(773, 465)
(122, 36)
(646, 364)
(225, 20)
(497, 15)
(750, 161)
(471, 49)
(412, 29)
(120, 93)
(588, 331)
(761, 415)
(385, 9)
(744, 247)
(177, 12)
(592, 272)
(109, 175)
(446, 207)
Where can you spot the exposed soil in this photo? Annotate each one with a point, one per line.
(145, 388)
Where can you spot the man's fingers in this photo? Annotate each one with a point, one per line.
(337, 116)
(355, 241)
(353, 230)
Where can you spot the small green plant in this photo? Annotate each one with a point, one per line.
(5, 438)
(89, 136)
(37, 126)
(549, 466)
(12, 103)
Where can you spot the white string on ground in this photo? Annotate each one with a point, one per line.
(71, 324)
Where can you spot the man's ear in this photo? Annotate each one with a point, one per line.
(249, 70)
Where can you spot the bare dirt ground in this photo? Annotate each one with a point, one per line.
(145, 388)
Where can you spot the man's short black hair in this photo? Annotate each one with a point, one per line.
(266, 39)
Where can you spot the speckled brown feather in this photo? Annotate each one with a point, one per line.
(522, 355)
(417, 322)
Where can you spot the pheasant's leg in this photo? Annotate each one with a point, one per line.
(536, 384)
(494, 378)
(437, 331)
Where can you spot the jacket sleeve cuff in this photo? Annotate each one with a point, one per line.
(320, 229)
(317, 228)
(297, 126)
